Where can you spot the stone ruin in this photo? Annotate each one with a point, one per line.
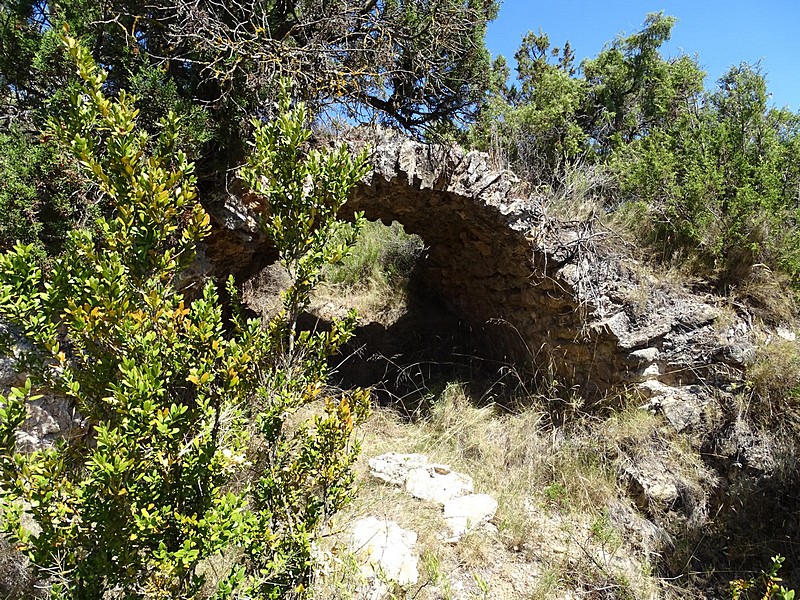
(541, 292)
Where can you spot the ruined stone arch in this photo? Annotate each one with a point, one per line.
(537, 291)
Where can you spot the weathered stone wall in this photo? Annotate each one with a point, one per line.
(538, 290)
(482, 259)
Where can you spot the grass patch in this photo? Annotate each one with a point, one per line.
(774, 376)
(383, 255)
(374, 277)
(555, 536)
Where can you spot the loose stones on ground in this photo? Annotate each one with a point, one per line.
(385, 549)
(394, 468)
(437, 483)
(467, 512)
(385, 553)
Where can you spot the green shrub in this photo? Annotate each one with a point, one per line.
(306, 470)
(41, 196)
(713, 173)
(161, 92)
(721, 182)
(152, 488)
(384, 256)
(766, 585)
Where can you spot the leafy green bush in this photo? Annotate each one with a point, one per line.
(306, 470)
(766, 585)
(41, 196)
(712, 174)
(721, 181)
(161, 92)
(534, 129)
(151, 489)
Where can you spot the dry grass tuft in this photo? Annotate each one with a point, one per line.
(775, 374)
(580, 193)
(555, 536)
(769, 294)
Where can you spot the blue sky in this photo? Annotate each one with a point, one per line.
(721, 33)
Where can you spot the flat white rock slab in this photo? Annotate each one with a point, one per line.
(437, 483)
(385, 550)
(466, 513)
(394, 468)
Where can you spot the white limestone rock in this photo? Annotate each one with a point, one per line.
(650, 482)
(438, 483)
(466, 513)
(8, 374)
(49, 419)
(682, 406)
(651, 371)
(385, 551)
(646, 355)
(40, 426)
(394, 468)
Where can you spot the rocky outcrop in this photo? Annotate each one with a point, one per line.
(540, 292)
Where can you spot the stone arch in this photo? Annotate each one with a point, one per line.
(534, 288)
(485, 262)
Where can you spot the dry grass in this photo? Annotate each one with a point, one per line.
(555, 537)
(775, 373)
(373, 302)
(769, 294)
(580, 194)
(774, 379)
(373, 278)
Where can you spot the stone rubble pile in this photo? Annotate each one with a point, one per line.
(385, 550)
